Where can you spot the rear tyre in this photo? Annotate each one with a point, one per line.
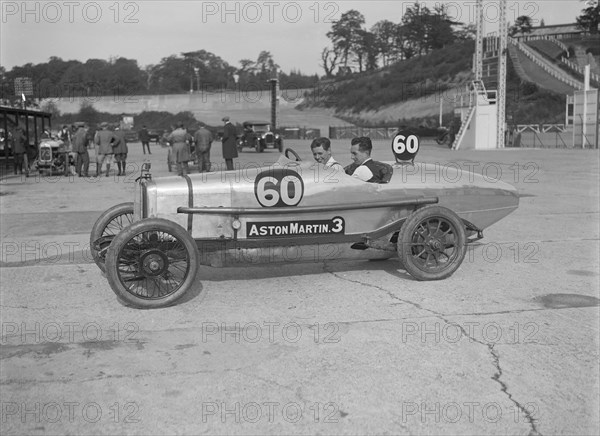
(106, 228)
(432, 243)
(152, 263)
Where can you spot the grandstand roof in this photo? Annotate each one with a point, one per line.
(558, 29)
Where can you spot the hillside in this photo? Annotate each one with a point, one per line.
(410, 91)
(442, 69)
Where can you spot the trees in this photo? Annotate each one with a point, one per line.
(386, 38)
(345, 34)
(329, 59)
(420, 30)
(590, 17)
(522, 25)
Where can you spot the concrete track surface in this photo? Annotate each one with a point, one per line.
(507, 345)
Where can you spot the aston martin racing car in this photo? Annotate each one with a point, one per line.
(151, 248)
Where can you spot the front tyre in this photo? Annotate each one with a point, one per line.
(432, 243)
(152, 263)
(106, 228)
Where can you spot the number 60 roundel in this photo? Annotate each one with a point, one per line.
(278, 187)
(405, 146)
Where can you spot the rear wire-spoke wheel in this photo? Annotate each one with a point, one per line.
(432, 243)
(152, 263)
(106, 228)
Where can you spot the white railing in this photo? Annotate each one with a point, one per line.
(572, 65)
(555, 72)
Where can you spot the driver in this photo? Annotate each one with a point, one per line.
(363, 167)
(321, 150)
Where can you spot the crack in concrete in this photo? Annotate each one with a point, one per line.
(495, 355)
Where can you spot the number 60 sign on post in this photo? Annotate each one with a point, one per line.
(405, 147)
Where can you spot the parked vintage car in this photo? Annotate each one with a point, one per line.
(258, 135)
(155, 135)
(53, 157)
(151, 248)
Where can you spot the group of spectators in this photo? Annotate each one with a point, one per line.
(111, 146)
(181, 142)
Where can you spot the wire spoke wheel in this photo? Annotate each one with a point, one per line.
(432, 243)
(152, 263)
(109, 225)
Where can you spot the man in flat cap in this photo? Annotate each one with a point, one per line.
(229, 143)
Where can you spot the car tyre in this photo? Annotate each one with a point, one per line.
(432, 243)
(106, 228)
(152, 263)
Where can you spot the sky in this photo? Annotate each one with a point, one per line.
(294, 32)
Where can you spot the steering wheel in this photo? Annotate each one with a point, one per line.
(285, 153)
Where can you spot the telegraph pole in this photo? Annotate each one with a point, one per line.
(501, 97)
(478, 67)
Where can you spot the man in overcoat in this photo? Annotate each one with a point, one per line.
(203, 140)
(229, 143)
(120, 150)
(82, 164)
(180, 142)
(104, 152)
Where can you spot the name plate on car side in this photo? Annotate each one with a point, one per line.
(274, 229)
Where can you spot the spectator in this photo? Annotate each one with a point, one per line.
(203, 140)
(80, 147)
(120, 149)
(145, 139)
(20, 151)
(179, 140)
(229, 143)
(104, 153)
(65, 136)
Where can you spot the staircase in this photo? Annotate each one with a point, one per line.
(463, 128)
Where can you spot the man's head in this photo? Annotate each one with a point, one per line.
(321, 149)
(360, 149)
(225, 119)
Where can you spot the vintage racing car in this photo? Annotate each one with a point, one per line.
(151, 248)
(258, 135)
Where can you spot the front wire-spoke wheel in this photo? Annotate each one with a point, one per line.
(152, 263)
(432, 243)
(106, 228)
